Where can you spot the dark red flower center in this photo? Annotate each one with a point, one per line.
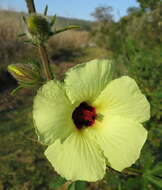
(84, 115)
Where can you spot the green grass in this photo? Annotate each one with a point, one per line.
(22, 162)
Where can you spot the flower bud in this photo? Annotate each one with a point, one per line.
(25, 74)
(38, 27)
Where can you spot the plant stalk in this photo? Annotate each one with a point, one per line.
(42, 49)
(45, 62)
(31, 6)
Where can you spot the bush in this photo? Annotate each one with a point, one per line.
(136, 45)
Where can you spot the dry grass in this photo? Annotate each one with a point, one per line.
(68, 45)
(73, 39)
(11, 47)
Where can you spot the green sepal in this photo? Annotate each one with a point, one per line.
(35, 63)
(13, 92)
(53, 20)
(58, 181)
(21, 86)
(22, 34)
(30, 42)
(72, 186)
(30, 85)
(66, 28)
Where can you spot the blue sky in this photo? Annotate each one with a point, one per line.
(72, 8)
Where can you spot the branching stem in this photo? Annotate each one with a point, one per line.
(41, 48)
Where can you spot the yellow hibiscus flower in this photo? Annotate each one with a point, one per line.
(89, 121)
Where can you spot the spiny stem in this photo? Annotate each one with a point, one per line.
(45, 62)
(41, 48)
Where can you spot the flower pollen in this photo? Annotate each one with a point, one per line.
(84, 115)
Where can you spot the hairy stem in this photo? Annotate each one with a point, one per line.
(45, 62)
(41, 48)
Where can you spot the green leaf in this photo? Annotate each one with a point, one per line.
(154, 175)
(59, 181)
(145, 184)
(147, 159)
(155, 180)
(72, 186)
(45, 10)
(157, 170)
(133, 183)
(119, 186)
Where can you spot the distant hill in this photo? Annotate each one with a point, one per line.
(61, 21)
(84, 24)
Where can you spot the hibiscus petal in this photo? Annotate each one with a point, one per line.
(52, 113)
(121, 140)
(123, 97)
(86, 81)
(77, 158)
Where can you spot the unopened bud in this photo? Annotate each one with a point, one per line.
(38, 27)
(26, 74)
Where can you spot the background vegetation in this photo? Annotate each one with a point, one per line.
(134, 42)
